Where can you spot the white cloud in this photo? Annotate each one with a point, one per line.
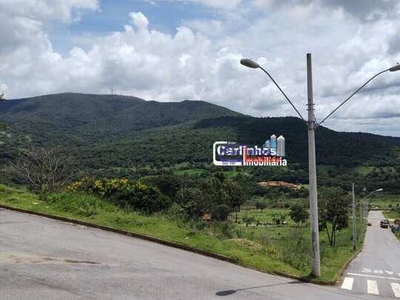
(139, 20)
(223, 4)
(220, 3)
(64, 10)
(200, 59)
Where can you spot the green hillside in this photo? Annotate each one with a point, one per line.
(120, 136)
(87, 118)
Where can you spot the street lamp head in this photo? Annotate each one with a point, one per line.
(249, 63)
(379, 190)
(395, 68)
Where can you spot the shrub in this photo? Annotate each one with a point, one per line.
(123, 192)
(278, 218)
(78, 203)
(223, 230)
(298, 214)
(296, 251)
(220, 212)
(176, 212)
(261, 205)
(248, 220)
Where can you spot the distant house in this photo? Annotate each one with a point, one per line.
(278, 183)
(207, 217)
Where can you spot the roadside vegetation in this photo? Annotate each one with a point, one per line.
(151, 173)
(391, 210)
(271, 237)
(385, 202)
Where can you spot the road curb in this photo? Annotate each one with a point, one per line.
(313, 280)
(126, 233)
(308, 279)
(336, 280)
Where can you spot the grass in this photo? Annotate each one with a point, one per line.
(262, 216)
(384, 202)
(390, 206)
(291, 244)
(363, 170)
(272, 249)
(392, 214)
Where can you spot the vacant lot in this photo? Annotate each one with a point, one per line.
(281, 248)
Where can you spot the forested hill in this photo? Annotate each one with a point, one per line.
(110, 131)
(86, 114)
(333, 148)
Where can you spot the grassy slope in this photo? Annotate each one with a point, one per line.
(264, 254)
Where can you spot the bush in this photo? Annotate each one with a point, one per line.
(131, 195)
(248, 220)
(223, 230)
(198, 225)
(78, 203)
(298, 214)
(261, 205)
(220, 212)
(297, 250)
(278, 218)
(146, 199)
(176, 212)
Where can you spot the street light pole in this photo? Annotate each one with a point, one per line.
(312, 169)
(354, 217)
(312, 175)
(362, 200)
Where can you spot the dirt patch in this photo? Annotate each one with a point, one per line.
(248, 244)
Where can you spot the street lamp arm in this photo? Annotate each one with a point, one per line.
(352, 96)
(283, 93)
(378, 190)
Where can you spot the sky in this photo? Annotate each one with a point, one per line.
(173, 50)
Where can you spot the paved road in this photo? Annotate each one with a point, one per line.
(376, 270)
(46, 259)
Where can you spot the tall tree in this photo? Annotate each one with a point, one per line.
(237, 194)
(333, 211)
(219, 185)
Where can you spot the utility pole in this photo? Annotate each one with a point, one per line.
(362, 223)
(312, 168)
(312, 175)
(354, 219)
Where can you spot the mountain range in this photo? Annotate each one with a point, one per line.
(112, 132)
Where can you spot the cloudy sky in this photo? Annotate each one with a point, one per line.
(172, 50)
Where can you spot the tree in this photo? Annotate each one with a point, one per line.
(219, 190)
(222, 190)
(220, 212)
(237, 195)
(2, 97)
(194, 203)
(298, 214)
(147, 199)
(278, 218)
(333, 212)
(168, 184)
(46, 170)
(261, 205)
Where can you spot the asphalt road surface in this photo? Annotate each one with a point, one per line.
(42, 258)
(376, 270)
